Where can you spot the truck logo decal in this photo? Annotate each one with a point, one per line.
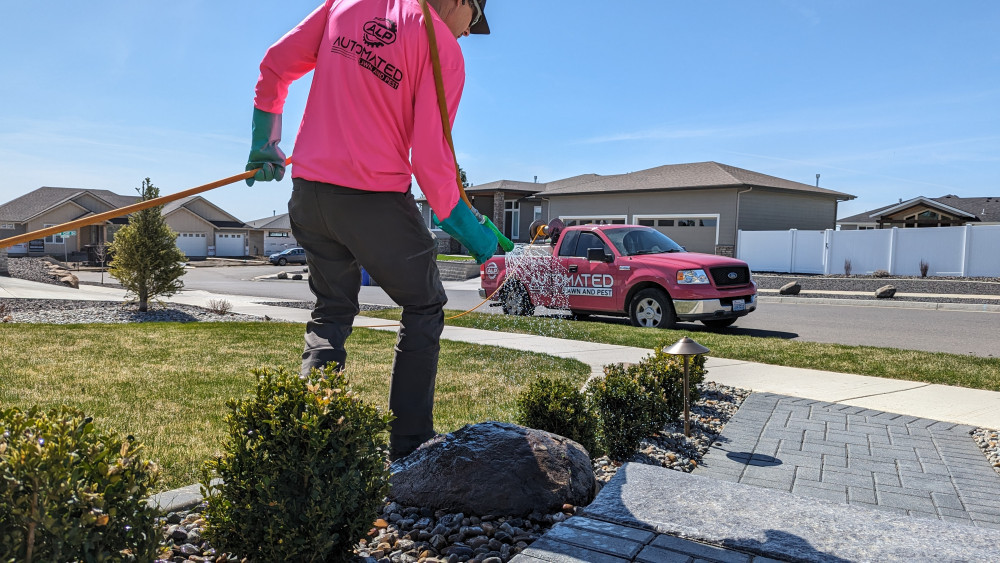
(594, 285)
(733, 275)
(492, 270)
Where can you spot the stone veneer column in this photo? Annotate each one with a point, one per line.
(3, 262)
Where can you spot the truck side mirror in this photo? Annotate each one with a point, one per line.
(598, 255)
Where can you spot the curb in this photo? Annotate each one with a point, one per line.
(931, 306)
(184, 498)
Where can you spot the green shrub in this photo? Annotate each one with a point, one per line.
(667, 373)
(629, 410)
(556, 406)
(303, 470)
(69, 492)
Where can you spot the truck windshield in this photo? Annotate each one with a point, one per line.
(632, 241)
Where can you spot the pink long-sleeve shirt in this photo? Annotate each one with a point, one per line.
(372, 100)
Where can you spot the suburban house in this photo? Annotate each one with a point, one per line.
(701, 205)
(271, 235)
(203, 228)
(946, 211)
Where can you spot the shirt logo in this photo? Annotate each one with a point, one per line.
(380, 32)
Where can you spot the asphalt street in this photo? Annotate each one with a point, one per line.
(852, 323)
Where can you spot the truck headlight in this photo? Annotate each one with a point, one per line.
(685, 277)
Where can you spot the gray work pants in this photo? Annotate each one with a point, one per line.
(341, 229)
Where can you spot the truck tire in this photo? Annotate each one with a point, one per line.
(716, 324)
(516, 301)
(652, 308)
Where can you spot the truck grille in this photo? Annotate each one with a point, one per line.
(723, 278)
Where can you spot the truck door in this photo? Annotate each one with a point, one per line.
(592, 286)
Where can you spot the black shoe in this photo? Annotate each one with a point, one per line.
(401, 446)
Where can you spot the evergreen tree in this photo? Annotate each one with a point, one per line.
(464, 178)
(146, 260)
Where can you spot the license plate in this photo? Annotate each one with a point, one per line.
(739, 305)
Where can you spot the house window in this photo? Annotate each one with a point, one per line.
(647, 222)
(7, 226)
(53, 239)
(664, 222)
(708, 222)
(537, 214)
(687, 222)
(281, 234)
(512, 216)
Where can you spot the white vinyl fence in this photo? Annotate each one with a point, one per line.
(971, 251)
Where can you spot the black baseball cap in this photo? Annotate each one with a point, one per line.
(481, 27)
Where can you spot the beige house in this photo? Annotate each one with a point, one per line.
(271, 235)
(945, 211)
(203, 228)
(700, 205)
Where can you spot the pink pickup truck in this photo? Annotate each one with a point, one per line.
(624, 270)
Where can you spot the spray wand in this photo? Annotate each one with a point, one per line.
(505, 242)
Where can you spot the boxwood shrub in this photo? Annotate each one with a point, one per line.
(303, 470)
(71, 492)
(556, 406)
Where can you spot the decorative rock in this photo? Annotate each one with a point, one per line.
(297, 276)
(70, 280)
(885, 292)
(791, 288)
(282, 275)
(495, 468)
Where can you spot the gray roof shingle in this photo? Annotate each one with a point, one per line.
(32, 203)
(671, 176)
(679, 176)
(275, 222)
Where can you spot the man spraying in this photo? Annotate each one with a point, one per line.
(371, 120)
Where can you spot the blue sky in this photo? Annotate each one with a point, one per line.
(885, 99)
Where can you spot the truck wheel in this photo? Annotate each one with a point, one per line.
(652, 308)
(716, 324)
(516, 301)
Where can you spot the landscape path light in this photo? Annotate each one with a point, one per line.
(687, 348)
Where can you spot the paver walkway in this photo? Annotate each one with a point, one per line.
(904, 464)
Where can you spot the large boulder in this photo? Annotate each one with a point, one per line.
(495, 468)
(885, 292)
(790, 288)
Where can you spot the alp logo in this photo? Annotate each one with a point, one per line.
(380, 32)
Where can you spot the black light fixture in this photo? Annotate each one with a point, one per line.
(687, 348)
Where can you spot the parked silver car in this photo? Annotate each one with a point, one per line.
(292, 255)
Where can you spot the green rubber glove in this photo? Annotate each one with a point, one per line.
(264, 151)
(463, 226)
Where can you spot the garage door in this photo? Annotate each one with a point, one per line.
(229, 244)
(193, 244)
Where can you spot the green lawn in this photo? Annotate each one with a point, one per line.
(948, 369)
(167, 383)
